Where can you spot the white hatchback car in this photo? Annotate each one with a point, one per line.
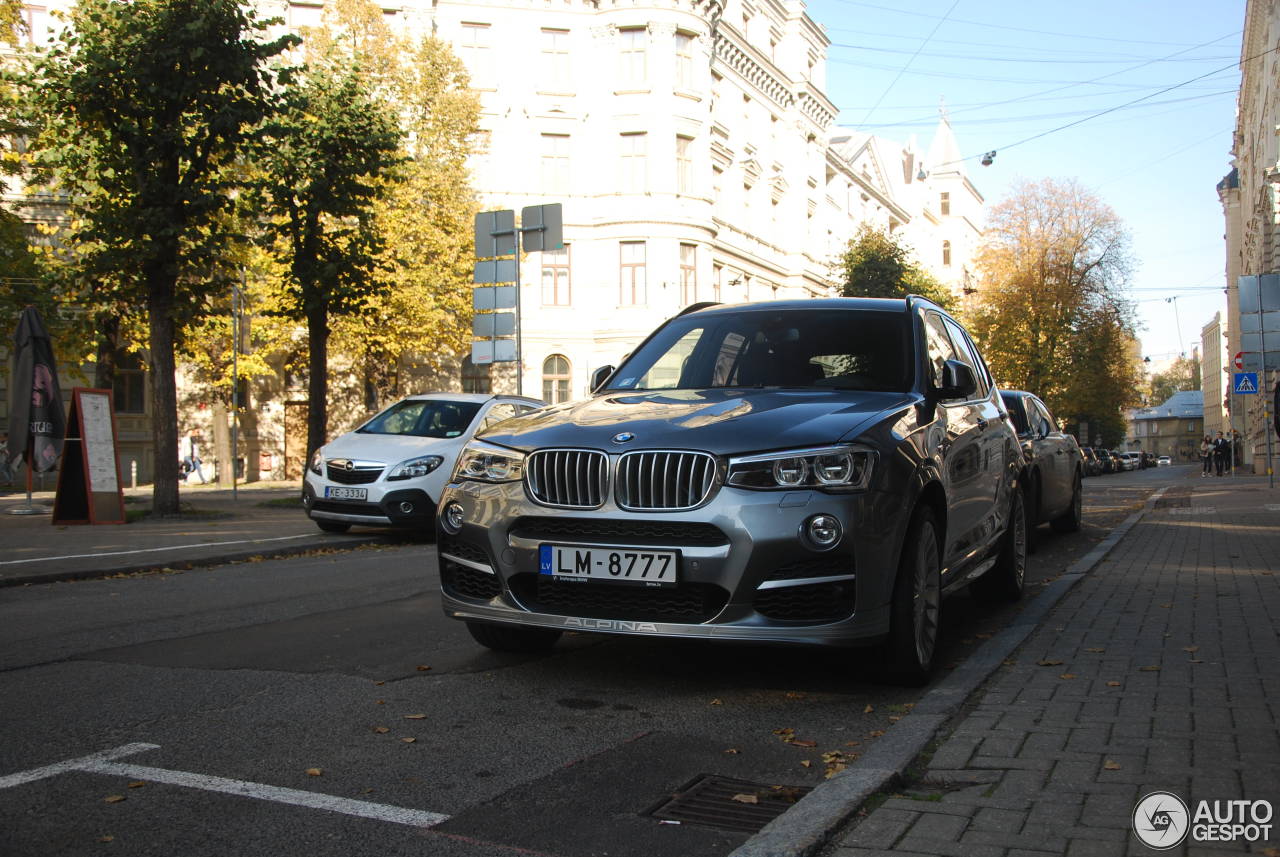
(389, 472)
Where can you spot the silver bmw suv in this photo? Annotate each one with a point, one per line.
(815, 472)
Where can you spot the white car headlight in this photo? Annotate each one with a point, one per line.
(485, 462)
(835, 468)
(317, 462)
(415, 467)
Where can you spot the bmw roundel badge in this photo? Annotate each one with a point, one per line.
(623, 437)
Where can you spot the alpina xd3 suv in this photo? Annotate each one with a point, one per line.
(815, 472)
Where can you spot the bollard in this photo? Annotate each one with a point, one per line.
(133, 473)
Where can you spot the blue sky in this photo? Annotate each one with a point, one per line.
(1013, 71)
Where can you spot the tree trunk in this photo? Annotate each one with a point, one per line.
(104, 372)
(222, 451)
(318, 378)
(164, 395)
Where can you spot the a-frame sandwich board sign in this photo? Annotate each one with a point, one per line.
(89, 490)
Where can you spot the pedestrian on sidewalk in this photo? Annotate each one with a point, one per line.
(1206, 456)
(1221, 454)
(190, 449)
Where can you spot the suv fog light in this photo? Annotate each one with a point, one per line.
(451, 520)
(406, 508)
(822, 532)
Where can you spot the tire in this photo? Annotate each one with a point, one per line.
(1006, 580)
(1069, 521)
(333, 526)
(909, 651)
(513, 638)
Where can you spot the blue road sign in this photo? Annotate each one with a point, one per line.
(1245, 383)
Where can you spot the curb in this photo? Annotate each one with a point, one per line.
(184, 564)
(810, 823)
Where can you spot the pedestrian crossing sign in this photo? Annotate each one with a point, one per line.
(1245, 383)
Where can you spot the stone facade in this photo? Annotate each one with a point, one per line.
(1250, 195)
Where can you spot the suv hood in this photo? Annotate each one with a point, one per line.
(387, 448)
(721, 421)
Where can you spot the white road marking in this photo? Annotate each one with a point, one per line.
(104, 763)
(72, 764)
(151, 550)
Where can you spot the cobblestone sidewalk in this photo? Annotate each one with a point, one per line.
(1160, 671)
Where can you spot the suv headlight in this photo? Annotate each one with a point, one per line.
(835, 468)
(484, 462)
(414, 467)
(317, 462)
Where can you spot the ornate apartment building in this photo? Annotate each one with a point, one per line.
(1250, 195)
(694, 149)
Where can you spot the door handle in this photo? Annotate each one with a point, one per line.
(982, 424)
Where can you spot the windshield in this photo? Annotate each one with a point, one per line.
(423, 418)
(825, 348)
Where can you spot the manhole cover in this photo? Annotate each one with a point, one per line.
(728, 804)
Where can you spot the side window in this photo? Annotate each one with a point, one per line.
(1042, 412)
(966, 354)
(939, 346)
(499, 412)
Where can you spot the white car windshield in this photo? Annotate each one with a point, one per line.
(423, 418)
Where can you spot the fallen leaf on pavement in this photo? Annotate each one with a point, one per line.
(113, 798)
(795, 694)
(868, 709)
(716, 702)
(314, 772)
(1095, 651)
(381, 730)
(137, 784)
(806, 743)
(876, 733)
(423, 668)
(1048, 663)
(746, 798)
(415, 717)
(1113, 684)
(1067, 676)
(1150, 669)
(408, 740)
(806, 763)
(1166, 606)
(732, 751)
(107, 838)
(1110, 765)
(1190, 648)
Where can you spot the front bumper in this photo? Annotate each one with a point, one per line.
(406, 507)
(745, 573)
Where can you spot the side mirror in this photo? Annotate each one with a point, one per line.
(599, 376)
(1044, 430)
(957, 381)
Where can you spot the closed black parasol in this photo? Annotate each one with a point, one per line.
(37, 422)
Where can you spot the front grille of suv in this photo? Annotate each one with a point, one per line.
(664, 481)
(688, 603)
(361, 475)
(568, 478)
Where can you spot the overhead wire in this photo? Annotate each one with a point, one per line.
(898, 77)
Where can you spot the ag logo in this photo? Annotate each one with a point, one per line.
(1161, 820)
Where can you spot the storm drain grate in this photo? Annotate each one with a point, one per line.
(728, 804)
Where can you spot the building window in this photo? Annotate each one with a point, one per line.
(555, 277)
(555, 163)
(688, 274)
(684, 165)
(684, 61)
(632, 291)
(476, 51)
(944, 203)
(476, 378)
(634, 173)
(129, 387)
(946, 253)
(717, 278)
(633, 69)
(555, 379)
(555, 61)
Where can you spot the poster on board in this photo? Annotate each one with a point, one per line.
(89, 490)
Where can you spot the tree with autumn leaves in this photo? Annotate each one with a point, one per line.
(165, 126)
(1051, 316)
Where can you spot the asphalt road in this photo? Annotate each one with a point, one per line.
(323, 706)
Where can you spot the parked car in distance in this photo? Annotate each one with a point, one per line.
(389, 472)
(1105, 463)
(1092, 465)
(1131, 460)
(815, 472)
(1117, 461)
(1054, 464)
(1164, 461)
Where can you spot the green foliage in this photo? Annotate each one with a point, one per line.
(1183, 375)
(877, 264)
(135, 113)
(1049, 315)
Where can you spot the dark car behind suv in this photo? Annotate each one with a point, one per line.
(1055, 465)
(814, 472)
